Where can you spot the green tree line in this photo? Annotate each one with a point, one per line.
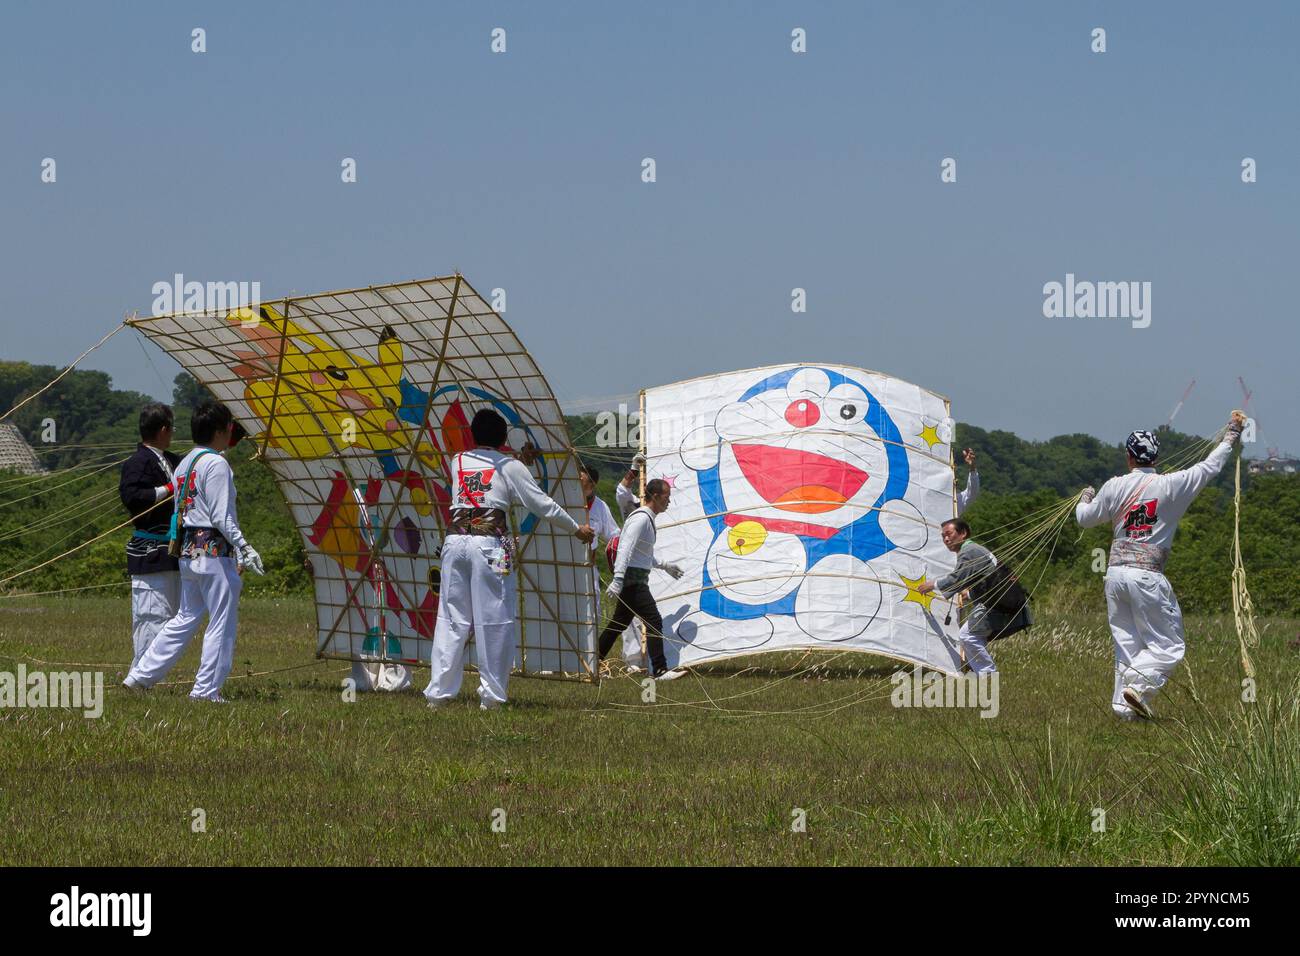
(44, 516)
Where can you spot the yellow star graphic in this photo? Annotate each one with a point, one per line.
(913, 594)
(930, 435)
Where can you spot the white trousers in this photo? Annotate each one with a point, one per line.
(978, 657)
(207, 584)
(473, 597)
(633, 653)
(155, 599)
(1147, 625)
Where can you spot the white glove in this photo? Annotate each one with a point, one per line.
(673, 569)
(250, 559)
(638, 461)
(613, 591)
(1088, 494)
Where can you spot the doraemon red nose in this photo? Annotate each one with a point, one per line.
(802, 413)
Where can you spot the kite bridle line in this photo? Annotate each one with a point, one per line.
(822, 708)
(54, 381)
(58, 557)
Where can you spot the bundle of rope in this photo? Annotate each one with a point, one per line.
(1243, 610)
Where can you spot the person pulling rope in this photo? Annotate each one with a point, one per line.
(1144, 508)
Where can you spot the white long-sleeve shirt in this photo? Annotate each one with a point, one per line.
(602, 522)
(1145, 507)
(213, 504)
(487, 478)
(626, 498)
(636, 546)
(964, 498)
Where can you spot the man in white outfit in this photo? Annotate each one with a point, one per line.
(478, 581)
(1144, 508)
(212, 554)
(146, 488)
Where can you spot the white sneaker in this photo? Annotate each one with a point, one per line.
(436, 703)
(1133, 697)
(489, 705)
(211, 700)
(130, 684)
(671, 675)
(635, 669)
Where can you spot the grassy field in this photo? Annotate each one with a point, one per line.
(711, 773)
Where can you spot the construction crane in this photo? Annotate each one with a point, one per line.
(1179, 407)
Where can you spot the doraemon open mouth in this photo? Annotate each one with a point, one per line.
(799, 481)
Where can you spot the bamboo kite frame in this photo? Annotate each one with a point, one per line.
(440, 322)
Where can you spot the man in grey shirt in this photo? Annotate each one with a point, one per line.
(974, 563)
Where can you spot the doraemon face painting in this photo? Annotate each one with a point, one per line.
(802, 480)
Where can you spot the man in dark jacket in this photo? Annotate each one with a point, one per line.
(146, 489)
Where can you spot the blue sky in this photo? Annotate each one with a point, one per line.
(775, 170)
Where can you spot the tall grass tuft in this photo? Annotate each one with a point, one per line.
(1024, 805)
(1239, 779)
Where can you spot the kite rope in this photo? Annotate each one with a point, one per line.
(1243, 609)
(1029, 536)
(24, 481)
(74, 513)
(111, 464)
(54, 381)
(87, 587)
(170, 683)
(72, 550)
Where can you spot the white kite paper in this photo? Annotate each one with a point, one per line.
(806, 509)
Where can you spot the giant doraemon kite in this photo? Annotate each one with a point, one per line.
(806, 506)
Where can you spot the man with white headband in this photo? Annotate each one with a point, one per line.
(1144, 508)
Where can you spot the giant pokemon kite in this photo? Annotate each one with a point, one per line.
(806, 507)
(356, 400)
